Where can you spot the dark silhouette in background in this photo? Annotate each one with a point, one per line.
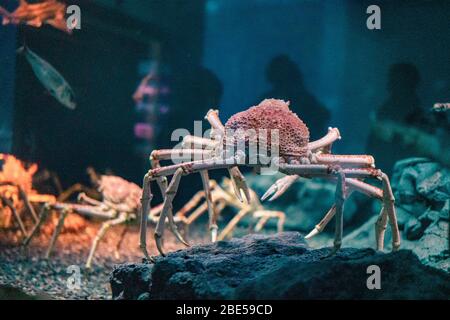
(287, 84)
(403, 103)
(194, 94)
(402, 106)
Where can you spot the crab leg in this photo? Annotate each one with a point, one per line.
(194, 142)
(339, 202)
(181, 214)
(78, 187)
(57, 231)
(28, 205)
(119, 243)
(197, 213)
(145, 210)
(321, 170)
(211, 213)
(192, 167)
(388, 206)
(239, 184)
(346, 160)
(101, 233)
(322, 224)
(218, 129)
(332, 135)
(42, 217)
(167, 212)
(353, 185)
(266, 215)
(82, 197)
(10, 205)
(178, 155)
(232, 224)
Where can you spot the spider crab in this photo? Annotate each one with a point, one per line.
(120, 203)
(17, 192)
(297, 157)
(224, 196)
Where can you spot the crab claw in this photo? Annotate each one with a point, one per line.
(158, 241)
(313, 232)
(239, 185)
(279, 187)
(179, 236)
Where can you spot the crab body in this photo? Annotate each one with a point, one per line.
(270, 118)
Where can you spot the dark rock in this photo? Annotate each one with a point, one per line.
(422, 191)
(277, 267)
(130, 281)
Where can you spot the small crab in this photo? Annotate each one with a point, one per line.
(16, 190)
(223, 197)
(297, 157)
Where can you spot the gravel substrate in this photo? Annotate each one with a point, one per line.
(28, 271)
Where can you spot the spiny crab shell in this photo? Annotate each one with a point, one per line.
(120, 191)
(270, 114)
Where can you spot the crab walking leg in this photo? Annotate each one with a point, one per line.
(232, 224)
(76, 188)
(119, 243)
(162, 184)
(265, 215)
(197, 213)
(193, 167)
(339, 200)
(82, 197)
(388, 205)
(177, 155)
(28, 205)
(346, 160)
(57, 231)
(194, 142)
(42, 218)
(353, 185)
(10, 205)
(101, 233)
(380, 228)
(332, 135)
(167, 207)
(322, 224)
(147, 197)
(209, 202)
(181, 214)
(212, 116)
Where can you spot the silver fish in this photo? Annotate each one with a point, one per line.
(51, 79)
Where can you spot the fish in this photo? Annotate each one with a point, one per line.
(51, 79)
(49, 12)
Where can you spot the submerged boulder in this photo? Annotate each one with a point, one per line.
(277, 267)
(422, 191)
